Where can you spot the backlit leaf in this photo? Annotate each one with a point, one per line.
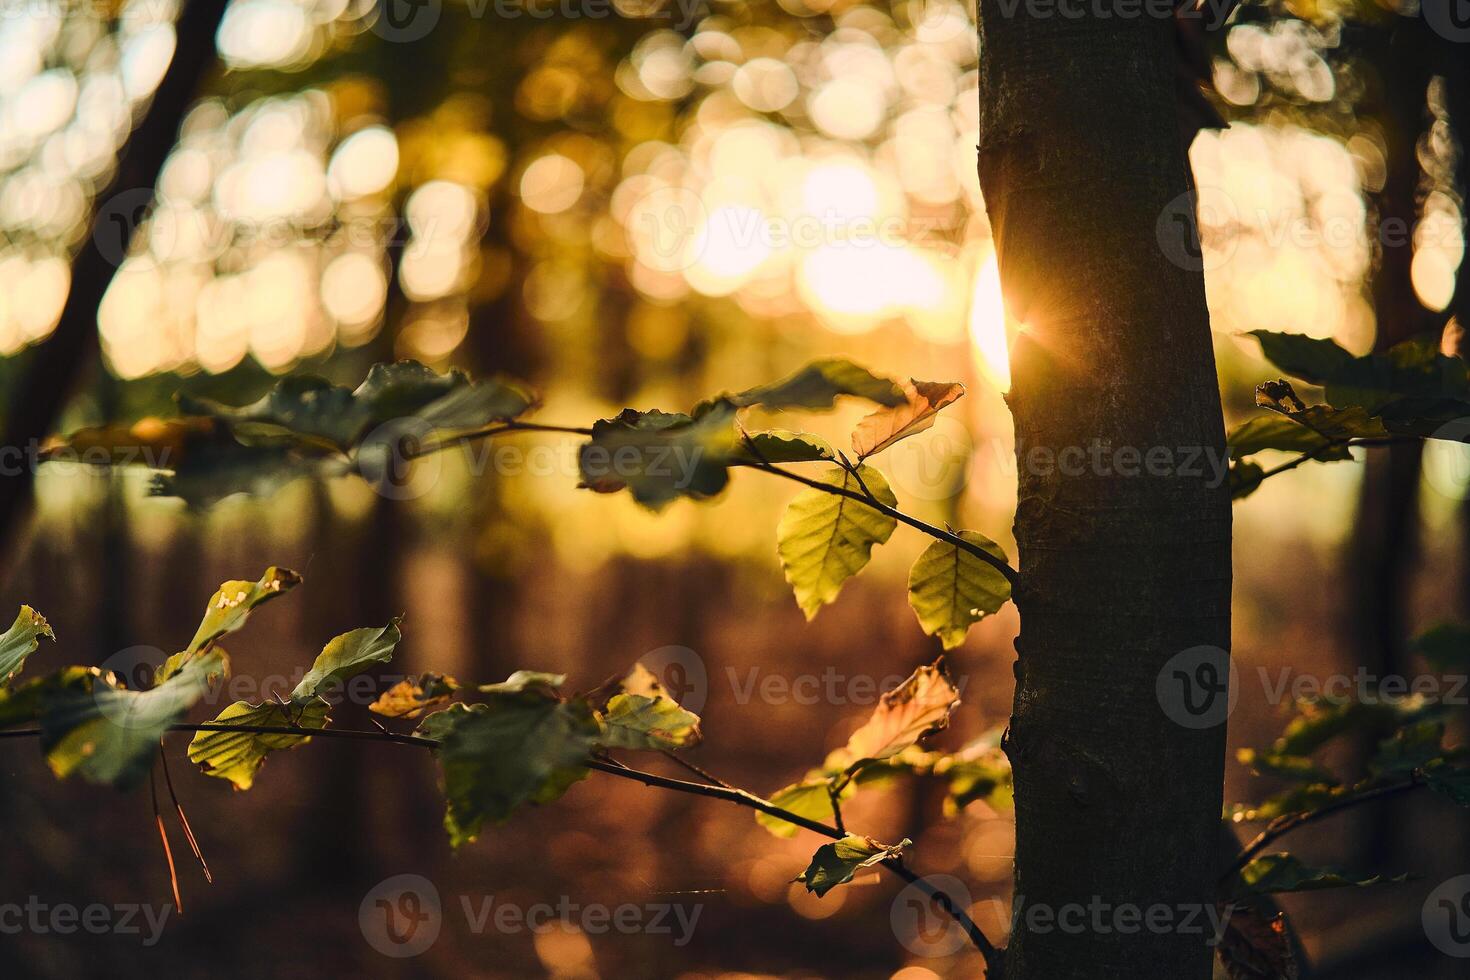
(920, 706)
(1275, 873)
(783, 446)
(642, 716)
(818, 385)
(20, 641)
(659, 456)
(810, 798)
(514, 749)
(923, 400)
(824, 539)
(951, 589)
(411, 697)
(227, 611)
(110, 735)
(835, 863)
(238, 756)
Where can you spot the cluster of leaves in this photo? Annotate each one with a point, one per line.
(308, 426)
(1409, 391)
(522, 741)
(887, 746)
(304, 426)
(1409, 734)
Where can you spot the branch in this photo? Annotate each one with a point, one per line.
(1312, 454)
(1286, 823)
(729, 794)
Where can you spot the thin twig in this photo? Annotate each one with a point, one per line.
(708, 777)
(494, 430)
(1317, 453)
(173, 875)
(1286, 823)
(168, 781)
(999, 565)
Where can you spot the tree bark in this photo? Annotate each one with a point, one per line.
(1117, 806)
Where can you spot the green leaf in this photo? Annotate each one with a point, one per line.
(111, 734)
(227, 611)
(918, 707)
(979, 771)
(1411, 747)
(951, 589)
(810, 798)
(835, 863)
(818, 385)
(24, 703)
(311, 410)
(783, 446)
(824, 539)
(1245, 477)
(238, 756)
(1309, 358)
(1295, 767)
(1284, 433)
(1446, 646)
(1330, 424)
(527, 681)
(923, 401)
(1318, 722)
(348, 655)
(411, 697)
(1454, 783)
(1272, 874)
(514, 749)
(20, 641)
(641, 715)
(659, 456)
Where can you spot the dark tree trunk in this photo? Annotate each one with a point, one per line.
(1087, 184)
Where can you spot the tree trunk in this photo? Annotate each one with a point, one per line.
(1117, 804)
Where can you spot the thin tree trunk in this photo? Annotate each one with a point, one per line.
(1085, 174)
(54, 369)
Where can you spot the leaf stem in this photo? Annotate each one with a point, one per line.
(1312, 454)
